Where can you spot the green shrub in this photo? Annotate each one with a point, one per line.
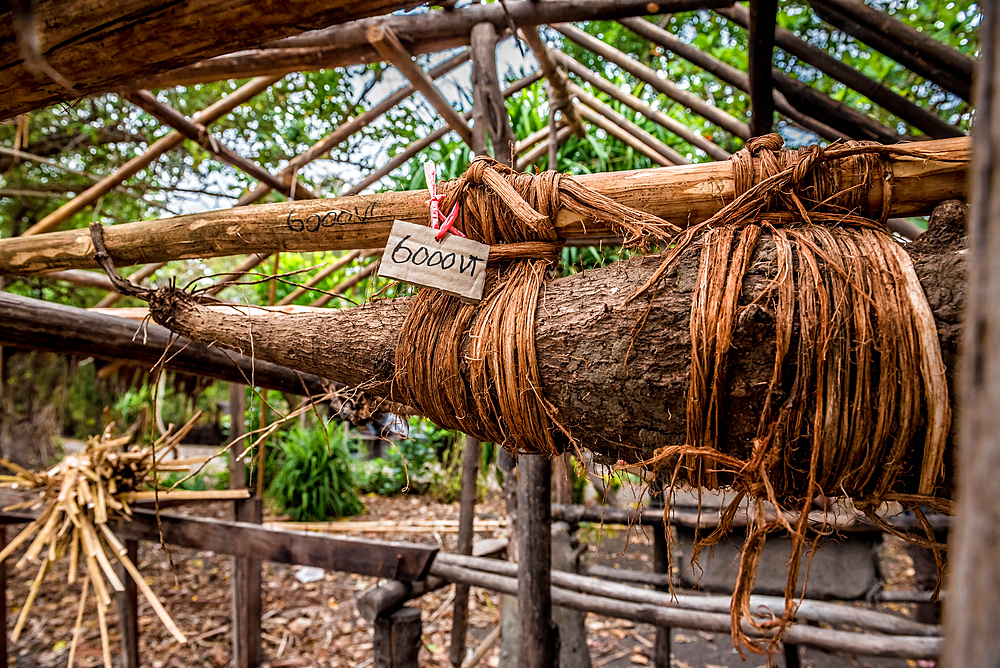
(313, 479)
(423, 463)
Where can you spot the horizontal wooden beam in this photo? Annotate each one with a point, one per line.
(681, 195)
(377, 558)
(34, 324)
(99, 46)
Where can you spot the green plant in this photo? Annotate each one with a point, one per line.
(426, 462)
(314, 480)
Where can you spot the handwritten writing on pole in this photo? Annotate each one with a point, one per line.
(314, 221)
(453, 265)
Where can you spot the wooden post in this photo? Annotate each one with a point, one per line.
(489, 108)
(627, 138)
(763, 14)
(466, 518)
(128, 610)
(246, 571)
(973, 603)
(661, 564)
(397, 639)
(384, 40)
(3, 600)
(539, 639)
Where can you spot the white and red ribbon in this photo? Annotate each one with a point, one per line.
(444, 224)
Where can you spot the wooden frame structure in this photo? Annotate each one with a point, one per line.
(396, 40)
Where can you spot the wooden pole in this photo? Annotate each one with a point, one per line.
(198, 133)
(560, 99)
(128, 610)
(658, 117)
(535, 154)
(246, 570)
(676, 194)
(392, 50)
(39, 325)
(917, 116)
(623, 135)
(488, 101)
(539, 637)
(345, 130)
(763, 15)
(554, 141)
(101, 47)
(138, 277)
(154, 151)
(859, 124)
(661, 565)
(466, 517)
(698, 106)
(907, 46)
(3, 577)
(973, 602)
(397, 639)
(672, 156)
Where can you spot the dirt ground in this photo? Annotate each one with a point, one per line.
(317, 624)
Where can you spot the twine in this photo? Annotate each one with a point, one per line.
(473, 367)
(857, 357)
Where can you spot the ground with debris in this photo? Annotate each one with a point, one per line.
(317, 624)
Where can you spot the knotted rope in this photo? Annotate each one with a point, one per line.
(473, 367)
(857, 358)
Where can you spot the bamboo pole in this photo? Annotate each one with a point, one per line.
(658, 117)
(672, 156)
(154, 151)
(626, 137)
(681, 195)
(698, 106)
(198, 133)
(529, 141)
(392, 50)
(86, 279)
(917, 116)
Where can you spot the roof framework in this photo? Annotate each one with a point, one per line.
(571, 85)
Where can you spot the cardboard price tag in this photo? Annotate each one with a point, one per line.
(453, 265)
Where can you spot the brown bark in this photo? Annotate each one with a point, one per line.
(343, 45)
(583, 333)
(101, 45)
(681, 195)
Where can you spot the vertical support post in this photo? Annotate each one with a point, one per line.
(973, 602)
(763, 14)
(661, 564)
(466, 520)
(3, 601)
(128, 609)
(489, 109)
(246, 571)
(553, 139)
(538, 646)
(397, 639)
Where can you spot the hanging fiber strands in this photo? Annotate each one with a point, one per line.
(857, 405)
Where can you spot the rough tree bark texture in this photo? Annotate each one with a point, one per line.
(617, 407)
(99, 45)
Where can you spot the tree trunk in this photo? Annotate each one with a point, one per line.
(584, 332)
